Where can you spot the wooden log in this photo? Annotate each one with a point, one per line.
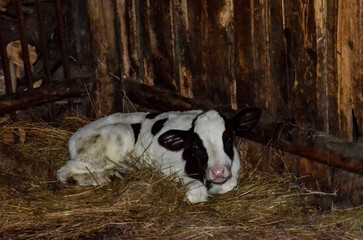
(162, 100)
(311, 144)
(45, 94)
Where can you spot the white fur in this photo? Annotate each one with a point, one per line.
(100, 147)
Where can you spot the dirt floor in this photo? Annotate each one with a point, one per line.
(144, 204)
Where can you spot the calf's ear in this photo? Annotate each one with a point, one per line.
(246, 120)
(173, 140)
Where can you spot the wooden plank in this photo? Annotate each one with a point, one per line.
(260, 44)
(161, 43)
(279, 100)
(180, 40)
(132, 38)
(349, 64)
(197, 22)
(321, 13)
(142, 31)
(246, 73)
(302, 61)
(123, 37)
(262, 68)
(105, 56)
(331, 25)
(217, 50)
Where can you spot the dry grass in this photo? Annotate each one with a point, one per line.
(144, 203)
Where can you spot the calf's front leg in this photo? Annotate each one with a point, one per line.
(196, 191)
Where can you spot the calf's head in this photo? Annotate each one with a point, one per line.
(207, 146)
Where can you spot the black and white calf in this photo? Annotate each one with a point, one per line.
(196, 145)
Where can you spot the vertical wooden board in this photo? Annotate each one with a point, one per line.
(350, 56)
(302, 60)
(138, 40)
(358, 68)
(104, 49)
(197, 22)
(161, 44)
(123, 33)
(180, 36)
(320, 10)
(146, 72)
(218, 58)
(260, 52)
(252, 22)
(245, 70)
(279, 87)
(331, 65)
(132, 37)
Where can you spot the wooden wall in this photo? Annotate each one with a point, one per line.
(296, 60)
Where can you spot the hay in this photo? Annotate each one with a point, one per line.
(144, 203)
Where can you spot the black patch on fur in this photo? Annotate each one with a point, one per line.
(136, 129)
(152, 115)
(209, 184)
(196, 158)
(194, 153)
(227, 139)
(158, 125)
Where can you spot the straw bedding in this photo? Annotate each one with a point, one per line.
(143, 203)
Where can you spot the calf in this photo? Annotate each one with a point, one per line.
(196, 145)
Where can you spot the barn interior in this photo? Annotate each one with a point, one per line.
(65, 63)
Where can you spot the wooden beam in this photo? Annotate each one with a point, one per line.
(45, 94)
(162, 100)
(311, 144)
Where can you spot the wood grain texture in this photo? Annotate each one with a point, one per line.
(105, 54)
(349, 63)
(46, 94)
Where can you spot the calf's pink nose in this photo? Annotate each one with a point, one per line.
(219, 171)
(219, 174)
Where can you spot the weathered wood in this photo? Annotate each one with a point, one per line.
(161, 100)
(332, 88)
(102, 15)
(142, 31)
(198, 35)
(302, 61)
(311, 144)
(218, 51)
(349, 64)
(181, 49)
(123, 33)
(161, 43)
(246, 70)
(47, 93)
